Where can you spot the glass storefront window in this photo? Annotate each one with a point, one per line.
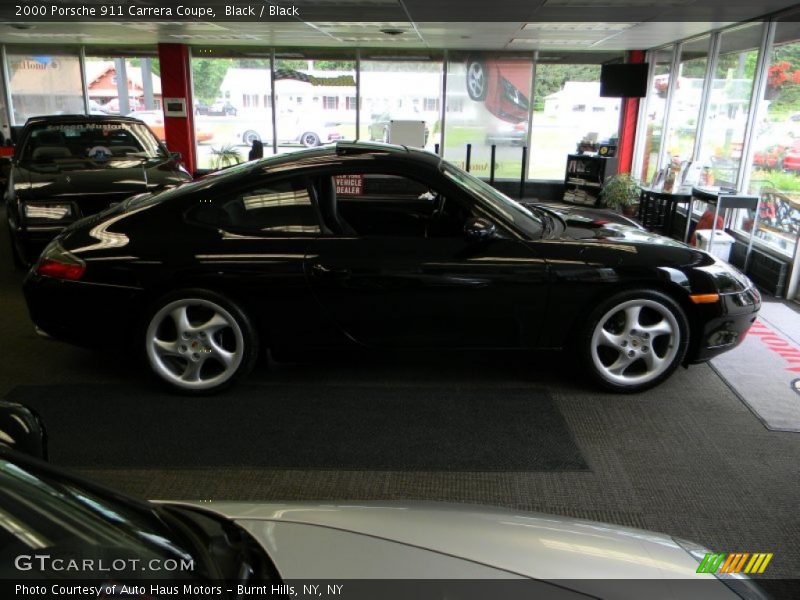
(686, 100)
(729, 103)
(120, 86)
(44, 83)
(655, 110)
(315, 101)
(567, 109)
(775, 169)
(232, 109)
(488, 102)
(400, 90)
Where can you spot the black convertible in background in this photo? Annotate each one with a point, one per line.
(70, 166)
(377, 246)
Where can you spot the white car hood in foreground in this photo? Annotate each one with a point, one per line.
(441, 541)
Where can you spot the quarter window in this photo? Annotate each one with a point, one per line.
(282, 207)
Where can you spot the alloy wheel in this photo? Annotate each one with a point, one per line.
(310, 139)
(194, 344)
(476, 81)
(635, 342)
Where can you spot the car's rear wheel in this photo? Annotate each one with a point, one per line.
(198, 342)
(250, 136)
(309, 139)
(477, 85)
(634, 340)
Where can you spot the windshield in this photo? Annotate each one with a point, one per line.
(51, 524)
(520, 217)
(90, 142)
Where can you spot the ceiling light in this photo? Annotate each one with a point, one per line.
(392, 31)
(546, 42)
(578, 26)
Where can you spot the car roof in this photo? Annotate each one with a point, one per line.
(352, 148)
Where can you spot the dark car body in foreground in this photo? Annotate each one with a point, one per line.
(71, 166)
(382, 247)
(74, 538)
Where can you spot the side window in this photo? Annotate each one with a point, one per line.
(375, 204)
(281, 207)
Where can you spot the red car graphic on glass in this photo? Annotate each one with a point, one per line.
(498, 83)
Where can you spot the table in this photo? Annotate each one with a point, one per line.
(657, 208)
(724, 200)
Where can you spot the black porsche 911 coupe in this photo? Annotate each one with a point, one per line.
(377, 246)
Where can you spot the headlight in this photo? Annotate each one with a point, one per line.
(728, 279)
(739, 584)
(47, 212)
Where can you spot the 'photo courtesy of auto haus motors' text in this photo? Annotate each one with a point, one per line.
(400, 299)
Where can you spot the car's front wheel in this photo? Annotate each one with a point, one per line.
(198, 342)
(634, 340)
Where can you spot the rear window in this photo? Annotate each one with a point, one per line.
(98, 142)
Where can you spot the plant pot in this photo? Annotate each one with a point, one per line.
(630, 210)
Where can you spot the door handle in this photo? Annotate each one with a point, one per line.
(321, 270)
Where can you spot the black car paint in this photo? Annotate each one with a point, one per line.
(331, 290)
(89, 187)
(22, 429)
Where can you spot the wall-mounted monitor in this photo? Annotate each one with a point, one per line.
(624, 80)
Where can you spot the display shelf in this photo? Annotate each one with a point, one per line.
(584, 177)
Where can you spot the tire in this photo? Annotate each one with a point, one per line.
(309, 139)
(477, 84)
(634, 340)
(198, 342)
(250, 136)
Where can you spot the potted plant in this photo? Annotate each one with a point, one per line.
(621, 192)
(226, 156)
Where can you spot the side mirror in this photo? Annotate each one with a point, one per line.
(479, 229)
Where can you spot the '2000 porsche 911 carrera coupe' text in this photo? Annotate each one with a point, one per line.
(383, 247)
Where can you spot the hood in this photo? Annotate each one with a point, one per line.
(93, 185)
(343, 540)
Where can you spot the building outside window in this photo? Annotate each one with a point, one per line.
(567, 108)
(138, 91)
(311, 100)
(43, 83)
(729, 103)
(229, 113)
(400, 90)
(650, 138)
(686, 100)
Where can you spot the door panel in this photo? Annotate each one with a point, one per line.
(438, 292)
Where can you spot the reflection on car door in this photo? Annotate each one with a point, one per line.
(394, 286)
(258, 237)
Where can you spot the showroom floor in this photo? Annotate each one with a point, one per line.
(688, 458)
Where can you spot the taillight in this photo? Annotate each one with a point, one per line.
(58, 263)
